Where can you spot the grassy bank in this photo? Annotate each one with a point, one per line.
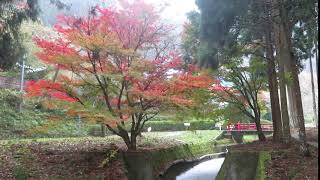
(79, 158)
(82, 157)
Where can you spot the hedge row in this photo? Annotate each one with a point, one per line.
(178, 126)
(95, 130)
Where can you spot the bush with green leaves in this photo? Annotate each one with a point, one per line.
(10, 98)
(178, 126)
(95, 130)
(33, 120)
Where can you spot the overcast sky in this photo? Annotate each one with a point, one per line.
(176, 9)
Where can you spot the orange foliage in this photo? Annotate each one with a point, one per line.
(103, 52)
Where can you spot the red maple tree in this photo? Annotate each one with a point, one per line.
(116, 69)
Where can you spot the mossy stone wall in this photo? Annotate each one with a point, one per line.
(239, 165)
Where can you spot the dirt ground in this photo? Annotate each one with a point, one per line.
(88, 160)
(286, 161)
(69, 159)
(33, 161)
(290, 164)
(312, 134)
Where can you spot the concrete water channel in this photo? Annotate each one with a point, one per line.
(229, 165)
(202, 170)
(186, 163)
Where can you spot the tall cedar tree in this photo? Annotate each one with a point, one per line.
(12, 14)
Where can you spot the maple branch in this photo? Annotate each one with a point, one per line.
(139, 119)
(75, 97)
(82, 78)
(234, 100)
(133, 124)
(112, 130)
(147, 119)
(238, 103)
(244, 92)
(120, 94)
(103, 87)
(254, 92)
(247, 93)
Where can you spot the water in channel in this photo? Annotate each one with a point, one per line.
(206, 170)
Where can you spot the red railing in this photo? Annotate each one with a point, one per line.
(248, 127)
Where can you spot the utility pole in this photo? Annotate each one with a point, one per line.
(22, 75)
(22, 82)
(78, 124)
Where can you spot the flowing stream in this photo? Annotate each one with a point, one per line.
(205, 170)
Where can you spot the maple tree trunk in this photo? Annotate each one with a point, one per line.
(130, 142)
(133, 142)
(273, 85)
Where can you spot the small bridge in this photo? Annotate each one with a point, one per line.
(236, 131)
(249, 127)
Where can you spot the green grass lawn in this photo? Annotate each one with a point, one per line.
(149, 139)
(30, 155)
(249, 138)
(198, 136)
(67, 156)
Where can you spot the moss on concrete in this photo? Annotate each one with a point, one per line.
(162, 158)
(264, 156)
(140, 164)
(239, 165)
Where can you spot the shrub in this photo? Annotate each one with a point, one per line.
(33, 121)
(265, 121)
(95, 130)
(10, 98)
(19, 173)
(178, 126)
(65, 128)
